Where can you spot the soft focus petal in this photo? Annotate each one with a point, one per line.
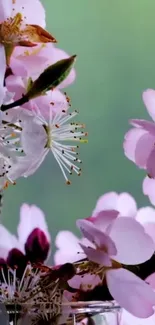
(149, 101)
(149, 189)
(151, 164)
(32, 13)
(96, 236)
(104, 219)
(15, 85)
(107, 201)
(145, 215)
(129, 319)
(146, 125)
(97, 256)
(31, 217)
(126, 205)
(68, 246)
(5, 9)
(131, 292)
(143, 149)
(130, 142)
(7, 242)
(133, 245)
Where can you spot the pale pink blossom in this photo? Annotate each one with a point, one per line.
(126, 318)
(104, 249)
(139, 143)
(8, 12)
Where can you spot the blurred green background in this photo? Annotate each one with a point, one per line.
(115, 43)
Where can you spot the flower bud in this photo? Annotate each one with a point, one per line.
(51, 77)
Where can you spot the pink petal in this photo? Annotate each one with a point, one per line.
(31, 217)
(96, 236)
(37, 246)
(68, 246)
(129, 319)
(145, 215)
(6, 8)
(16, 85)
(107, 201)
(146, 125)
(97, 256)
(133, 245)
(143, 149)
(126, 205)
(151, 164)
(130, 142)
(32, 131)
(149, 189)
(27, 65)
(151, 280)
(28, 11)
(104, 219)
(131, 292)
(149, 101)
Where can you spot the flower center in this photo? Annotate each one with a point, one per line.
(10, 30)
(49, 136)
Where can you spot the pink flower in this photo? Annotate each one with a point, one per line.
(128, 319)
(33, 241)
(139, 143)
(104, 249)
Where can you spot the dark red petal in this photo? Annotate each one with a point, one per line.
(17, 259)
(37, 246)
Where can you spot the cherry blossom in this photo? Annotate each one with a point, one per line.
(106, 250)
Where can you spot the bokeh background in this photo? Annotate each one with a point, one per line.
(115, 43)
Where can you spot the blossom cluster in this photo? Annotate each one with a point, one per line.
(36, 116)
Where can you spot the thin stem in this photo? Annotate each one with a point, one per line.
(18, 102)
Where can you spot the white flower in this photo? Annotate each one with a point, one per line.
(48, 131)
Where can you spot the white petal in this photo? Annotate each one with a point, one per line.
(107, 201)
(7, 242)
(68, 246)
(33, 138)
(31, 217)
(126, 205)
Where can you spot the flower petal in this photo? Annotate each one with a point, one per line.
(149, 101)
(151, 164)
(104, 219)
(107, 201)
(85, 282)
(133, 245)
(126, 205)
(8, 241)
(31, 217)
(96, 236)
(145, 215)
(6, 8)
(68, 246)
(130, 142)
(149, 189)
(129, 319)
(151, 280)
(2, 73)
(131, 292)
(97, 256)
(26, 9)
(143, 149)
(146, 125)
